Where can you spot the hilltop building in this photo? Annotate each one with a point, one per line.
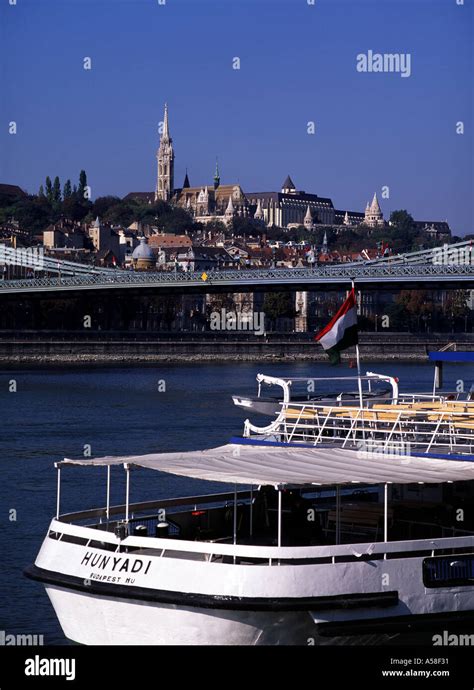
(288, 208)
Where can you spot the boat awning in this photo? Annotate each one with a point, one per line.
(271, 464)
(451, 356)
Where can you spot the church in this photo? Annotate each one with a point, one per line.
(205, 202)
(287, 208)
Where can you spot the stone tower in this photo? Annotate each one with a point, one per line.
(258, 215)
(308, 219)
(229, 212)
(373, 214)
(165, 157)
(324, 248)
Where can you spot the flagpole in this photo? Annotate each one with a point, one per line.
(359, 380)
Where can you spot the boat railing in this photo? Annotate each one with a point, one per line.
(250, 553)
(105, 515)
(430, 397)
(380, 427)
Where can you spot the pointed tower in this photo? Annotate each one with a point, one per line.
(258, 215)
(186, 184)
(165, 158)
(288, 186)
(373, 213)
(229, 212)
(324, 249)
(375, 208)
(367, 213)
(203, 202)
(308, 219)
(217, 179)
(346, 219)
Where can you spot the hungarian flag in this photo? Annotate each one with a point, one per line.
(341, 331)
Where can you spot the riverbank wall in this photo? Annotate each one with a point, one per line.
(103, 350)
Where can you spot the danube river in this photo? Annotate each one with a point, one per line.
(58, 413)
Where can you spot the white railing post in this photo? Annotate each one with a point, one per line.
(127, 490)
(279, 516)
(58, 493)
(107, 509)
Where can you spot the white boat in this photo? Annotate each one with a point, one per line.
(342, 520)
(270, 405)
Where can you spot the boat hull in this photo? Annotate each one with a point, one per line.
(169, 597)
(92, 619)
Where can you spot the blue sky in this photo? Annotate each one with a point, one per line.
(298, 64)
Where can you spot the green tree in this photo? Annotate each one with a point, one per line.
(247, 227)
(213, 226)
(49, 189)
(41, 190)
(103, 203)
(75, 209)
(33, 213)
(123, 213)
(277, 305)
(67, 190)
(418, 304)
(402, 220)
(456, 310)
(174, 220)
(82, 184)
(56, 191)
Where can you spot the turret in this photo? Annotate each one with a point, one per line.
(229, 212)
(325, 243)
(308, 219)
(288, 186)
(258, 215)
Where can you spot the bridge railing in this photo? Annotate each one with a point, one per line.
(233, 277)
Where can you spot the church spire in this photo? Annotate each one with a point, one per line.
(186, 184)
(217, 178)
(166, 131)
(165, 160)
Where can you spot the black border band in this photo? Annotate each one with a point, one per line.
(344, 601)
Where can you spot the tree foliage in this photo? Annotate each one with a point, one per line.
(67, 190)
(277, 305)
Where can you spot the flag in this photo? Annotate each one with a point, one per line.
(341, 331)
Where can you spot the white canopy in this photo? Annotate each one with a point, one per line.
(267, 464)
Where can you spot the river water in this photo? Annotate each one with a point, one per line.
(56, 413)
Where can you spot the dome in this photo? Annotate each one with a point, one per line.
(143, 255)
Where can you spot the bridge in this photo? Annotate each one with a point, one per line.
(450, 266)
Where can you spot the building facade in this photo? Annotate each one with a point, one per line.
(287, 208)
